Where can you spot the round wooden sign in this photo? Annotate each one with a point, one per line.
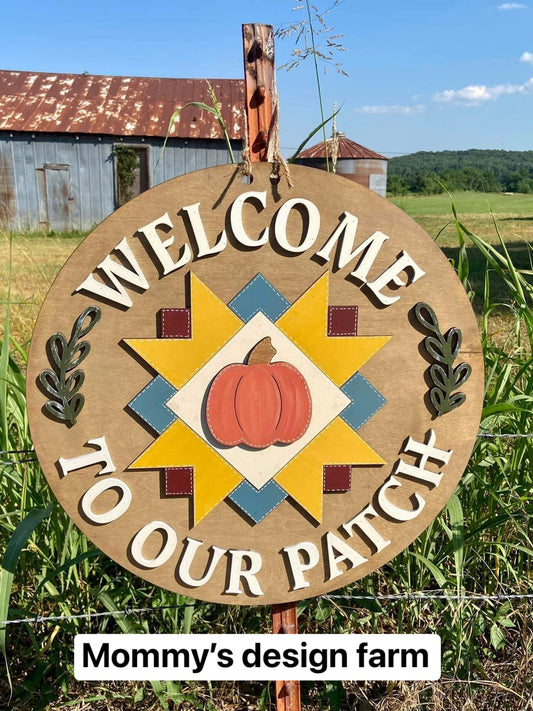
(250, 393)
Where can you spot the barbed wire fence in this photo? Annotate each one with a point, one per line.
(392, 597)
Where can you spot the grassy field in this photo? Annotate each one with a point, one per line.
(513, 215)
(483, 214)
(468, 203)
(482, 543)
(34, 261)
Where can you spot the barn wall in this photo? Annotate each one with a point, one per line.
(83, 170)
(8, 205)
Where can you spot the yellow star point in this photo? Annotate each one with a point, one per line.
(178, 359)
(306, 324)
(302, 478)
(179, 446)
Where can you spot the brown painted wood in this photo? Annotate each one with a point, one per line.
(258, 45)
(285, 621)
(113, 376)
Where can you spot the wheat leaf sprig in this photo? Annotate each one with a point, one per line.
(64, 382)
(444, 349)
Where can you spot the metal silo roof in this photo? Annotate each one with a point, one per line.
(346, 149)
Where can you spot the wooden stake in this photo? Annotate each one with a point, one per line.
(258, 45)
(285, 621)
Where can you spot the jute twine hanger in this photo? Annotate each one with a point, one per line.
(280, 166)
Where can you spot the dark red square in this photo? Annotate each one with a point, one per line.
(175, 323)
(337, 477)
(342, 320)
(179, 481)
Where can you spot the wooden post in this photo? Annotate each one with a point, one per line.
(285, 621)
(258, 45)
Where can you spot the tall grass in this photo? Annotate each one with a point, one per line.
(481, 543)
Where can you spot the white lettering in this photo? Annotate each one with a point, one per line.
(396, 512)
(313, 225)
(423, 452)
(336, 545)
(198, 232)
(116, 511)
(345, 232)
(101, 456)
(236, 573)
(391, 276)
(160, 248)
(235, 218)
(296, 555)
(115, 272)
(140, 538)
(184, 567)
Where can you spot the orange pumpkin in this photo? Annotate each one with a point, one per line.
(258, 403)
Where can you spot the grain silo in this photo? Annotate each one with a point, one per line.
(350, 160)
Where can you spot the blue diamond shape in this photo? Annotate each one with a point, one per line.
(366, 401)
(258, 503)
(150, 404)
(259, 295)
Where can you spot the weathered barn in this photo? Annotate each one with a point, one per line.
(353, 161)
(74, 147)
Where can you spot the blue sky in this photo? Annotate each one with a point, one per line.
(421, 75)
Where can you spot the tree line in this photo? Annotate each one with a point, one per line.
(428, 172)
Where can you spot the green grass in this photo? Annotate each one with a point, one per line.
(471, 203)
(511, 217)
(27, 271)
(512, 213)
(481, 543)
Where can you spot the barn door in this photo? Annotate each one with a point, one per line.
(131, 171)
(58, 196)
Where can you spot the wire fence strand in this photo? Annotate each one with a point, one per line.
(408, 597)
(39, 619)
(492, 435)
(435, 596)
(18, 451)
(11, 462)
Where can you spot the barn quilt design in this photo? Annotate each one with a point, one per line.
(194, 345)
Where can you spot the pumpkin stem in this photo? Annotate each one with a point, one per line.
(262, 352)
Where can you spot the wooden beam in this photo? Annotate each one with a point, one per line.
(258, 46)
(285, 621)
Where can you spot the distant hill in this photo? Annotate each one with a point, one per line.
(481, 170)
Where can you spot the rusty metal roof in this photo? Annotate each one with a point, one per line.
(117, 106)
(346, 149)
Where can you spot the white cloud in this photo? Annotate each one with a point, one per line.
(527, 57)
(512, 6)
(393, 109)
(477, 94)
